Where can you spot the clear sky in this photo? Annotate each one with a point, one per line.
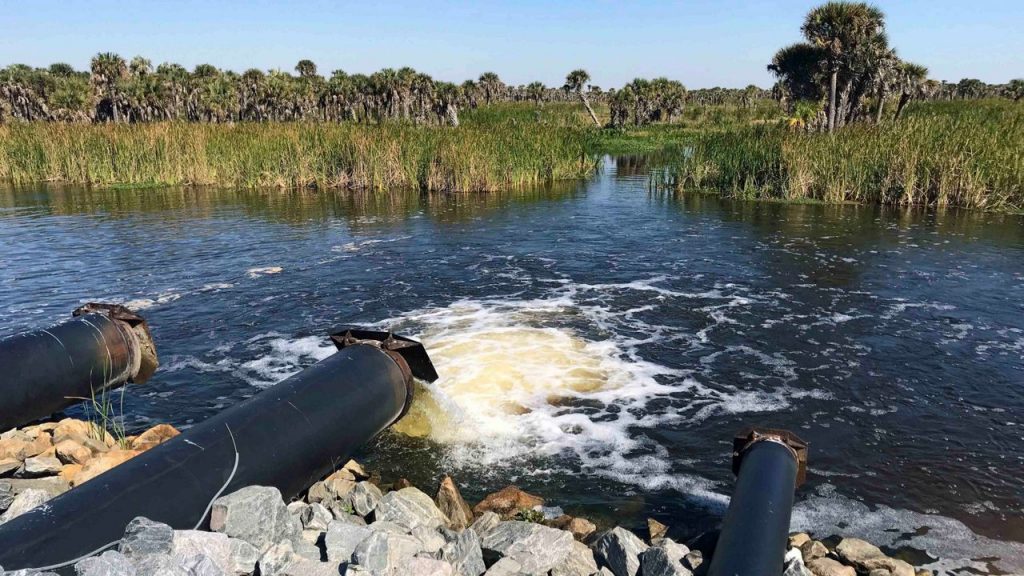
(702, 43)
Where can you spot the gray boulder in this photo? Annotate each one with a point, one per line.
(202, 565)
(342, 539)
(535, 547)
(430, 539)
(385, 553)
(422, 566)
(462, 551)
(143, 536)
(485, 523)
(315, 517)
(110, 563)
(41, 466)
(23, 502)
(506, 567)
(657, 561)
(385, 526)
(619, 550)
(160, 565)
(674, 550)
(364, 498)
(6, 496)
(409, 508)
(233, 556)
(255, 514)
(579, 562)
(693, 559)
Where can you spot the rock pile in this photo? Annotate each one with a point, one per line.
(352, 524)
(41, 461)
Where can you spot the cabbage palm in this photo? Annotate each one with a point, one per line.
(840, 29)
(912, 78)
(574, 83)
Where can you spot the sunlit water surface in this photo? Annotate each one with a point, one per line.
(598, 344)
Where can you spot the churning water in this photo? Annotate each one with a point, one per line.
(597, 344)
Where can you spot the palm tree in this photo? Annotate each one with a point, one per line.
(574, 83)
(1015, 89)
(840, 29)
(911, 79)
(535, 91)
(306, 68)
(108, 69)
(491, 85)
(798, 68)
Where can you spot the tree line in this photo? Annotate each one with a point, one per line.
(845, 71)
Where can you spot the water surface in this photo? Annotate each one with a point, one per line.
(599, 344)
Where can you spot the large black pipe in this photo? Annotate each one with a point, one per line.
(45, 371)
(769, 465)
(288, 436)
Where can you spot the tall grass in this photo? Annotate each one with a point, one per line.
(473, 157)
(966, 154)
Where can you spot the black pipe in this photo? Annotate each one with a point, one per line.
(769, 465)
(45, 371)
(288, 436)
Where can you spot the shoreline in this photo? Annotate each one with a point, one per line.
(353, 522)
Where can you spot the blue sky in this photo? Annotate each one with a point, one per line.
(702, 43)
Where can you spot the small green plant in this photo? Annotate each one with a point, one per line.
(528, 515)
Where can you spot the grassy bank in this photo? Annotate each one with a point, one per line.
(478, 156)
(965, 154)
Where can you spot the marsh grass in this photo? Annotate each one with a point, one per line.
(474, 157)
(966, 154)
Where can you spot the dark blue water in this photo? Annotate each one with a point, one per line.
(599, 344)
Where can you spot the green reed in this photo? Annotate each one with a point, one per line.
(965, 154)
(473, 157)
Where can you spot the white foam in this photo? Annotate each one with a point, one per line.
(264, 271)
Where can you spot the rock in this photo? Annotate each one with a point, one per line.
(364, 498)
(869, 557)
(505, 567)
(317, 493)
(674, 550)
(485, 523)
(655, 529)
(462, 550)
(431, 541)
(143, 536)
(37, 466)
(829, 567)
(155, 436)
(923, 572)
(429, 567)
(579, 527)
(304, 548)
(619, 550)
(794, 564)
(202, 565)
(315, 517)
(351, 519)
(20, 447)
(656, 561)
(813, 549)
(401, 483)
(9, 466)
(235, 557)
(101, 463)
(342, 539)
(53, 485)
(276, 558)
(535, 547)
(879, 572)
(70, 451)
(693, 559)
(383, 526)
(449, 500)
(579, 562)
(507, 501)
(254, 514)
(356, 470)
(69, 471)
(797, 540)
(384, 552)
(410, 508)
(160, 565)
(72, 427)
(110, 563)
(6, 497)
(24, 502)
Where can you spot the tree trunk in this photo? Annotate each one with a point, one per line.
(904, 98)
(881, 104)
(832, 101)
(589, 109)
